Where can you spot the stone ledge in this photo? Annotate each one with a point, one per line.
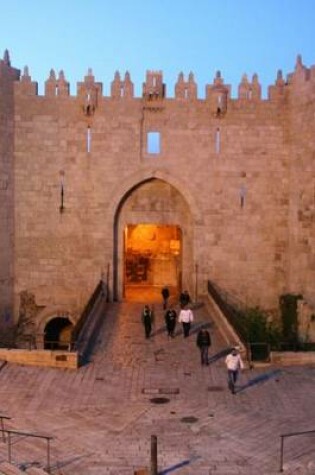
(48, 358)
(287, 358)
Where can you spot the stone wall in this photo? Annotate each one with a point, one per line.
(233, 166)
(7, 77)
(302, 182)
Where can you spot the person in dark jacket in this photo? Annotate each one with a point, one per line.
(203, 343)
(184, 299)
(170, 320)
(147, 320)
(165, 295)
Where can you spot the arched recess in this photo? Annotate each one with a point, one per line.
(154, 202)
(57, 334)
(54, 328)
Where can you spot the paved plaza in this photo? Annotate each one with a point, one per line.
(102, 416)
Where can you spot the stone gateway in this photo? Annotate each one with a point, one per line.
(154, 190)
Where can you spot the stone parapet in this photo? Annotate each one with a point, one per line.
(47, 358)
(291, 358)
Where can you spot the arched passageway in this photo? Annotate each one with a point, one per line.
(153, 239)
(152, 260)
(58, 333)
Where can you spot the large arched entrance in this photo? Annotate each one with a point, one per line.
(153, 242)
(152, 257)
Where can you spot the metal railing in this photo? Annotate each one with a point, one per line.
(85, 314)
(11, 433)
(232, 312)
(85, 332)
(82, 322)
(292, 434)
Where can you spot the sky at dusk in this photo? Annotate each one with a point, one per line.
(202, 36)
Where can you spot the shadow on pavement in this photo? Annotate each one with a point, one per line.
(220, 354)
(258, 380)
(177, 466)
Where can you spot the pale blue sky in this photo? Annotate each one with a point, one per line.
(202, 36)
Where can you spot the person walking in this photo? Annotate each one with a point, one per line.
(165, 295)
(204, 342)
(234, 365)
(186, 317)
(147, 320)
(170, 320)
(184, 298)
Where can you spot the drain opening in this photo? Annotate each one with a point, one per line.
(189, 419)
(159, 400)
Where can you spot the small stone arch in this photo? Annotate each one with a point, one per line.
(55, 320)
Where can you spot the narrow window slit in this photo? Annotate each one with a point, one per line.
(217, 141)
(88, 139)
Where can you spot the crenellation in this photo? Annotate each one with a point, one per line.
(186, 89)
(89, 93)
(26, 86)
(51, 84)
(255, 88)
(276, 92)
(128, 86)
(244, 88)
(249, 90)
(153, 88)
(6, 58)
(218, 95)
(63, 88)
(122, 89)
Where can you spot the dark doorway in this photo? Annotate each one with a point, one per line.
(58, 334)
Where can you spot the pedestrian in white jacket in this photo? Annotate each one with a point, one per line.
(185, 317)
(234, 364)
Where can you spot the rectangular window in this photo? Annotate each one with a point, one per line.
(154, 142)
(217, 141)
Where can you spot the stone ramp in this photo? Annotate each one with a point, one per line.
(102, 416)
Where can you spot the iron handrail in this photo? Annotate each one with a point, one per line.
(78, 329)
(48, 438)
(229, 311)
(291, 434)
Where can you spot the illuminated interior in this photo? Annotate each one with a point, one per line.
(152, 256)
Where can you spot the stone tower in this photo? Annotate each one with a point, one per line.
(8, 76)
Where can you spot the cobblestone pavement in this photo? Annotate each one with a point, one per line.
(102, 416)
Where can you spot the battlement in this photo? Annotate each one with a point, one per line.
(6, 70)
(218, 94)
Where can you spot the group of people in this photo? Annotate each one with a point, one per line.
(233, 360)
(185, 316)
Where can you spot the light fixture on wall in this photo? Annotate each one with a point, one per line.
(243, 192)
(62, 176)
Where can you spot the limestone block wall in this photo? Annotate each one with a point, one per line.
(83, 162)
(238, 186)
(7, 77)
(302, 182)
